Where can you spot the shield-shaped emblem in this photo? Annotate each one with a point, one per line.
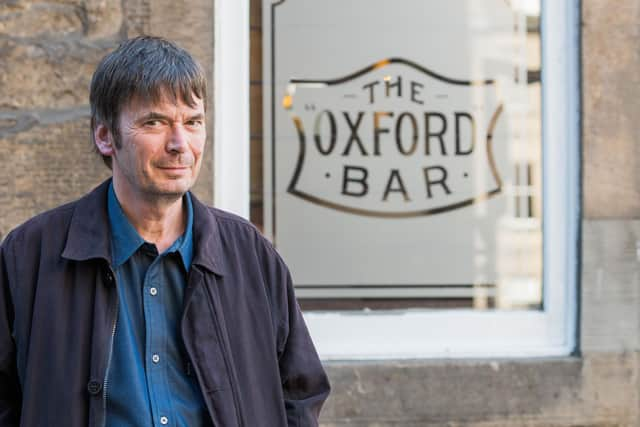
(396, 139)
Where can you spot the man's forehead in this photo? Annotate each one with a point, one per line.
(164, 101)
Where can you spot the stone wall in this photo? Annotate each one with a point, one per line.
(611, 111)
(48, 52)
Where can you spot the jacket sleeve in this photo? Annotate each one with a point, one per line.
(304, 382)
(10, 394)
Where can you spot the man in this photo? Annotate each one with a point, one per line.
(139, 306)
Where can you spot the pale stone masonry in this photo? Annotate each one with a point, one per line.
(48, 51)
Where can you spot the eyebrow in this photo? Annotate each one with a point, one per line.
(196, 117)
(152, 115)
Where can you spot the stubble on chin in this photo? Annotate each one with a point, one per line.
(168, 195)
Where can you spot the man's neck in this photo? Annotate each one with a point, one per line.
(159, 220)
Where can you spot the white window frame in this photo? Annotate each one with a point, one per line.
(231, 106)
(438, 333)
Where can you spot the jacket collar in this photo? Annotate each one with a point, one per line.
(89, 232)
(207, 242)
(88, 236)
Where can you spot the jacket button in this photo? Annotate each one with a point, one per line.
(94, 387)
(108, 278)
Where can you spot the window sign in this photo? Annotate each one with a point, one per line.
(402, 149)
(414, 156)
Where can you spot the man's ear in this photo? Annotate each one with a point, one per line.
(104, 140)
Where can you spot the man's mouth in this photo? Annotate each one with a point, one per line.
(174, 167)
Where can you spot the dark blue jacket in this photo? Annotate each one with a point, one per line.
(242, 329)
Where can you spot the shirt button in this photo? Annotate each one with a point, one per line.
(155, 358)
(153, 291)
(164, 420)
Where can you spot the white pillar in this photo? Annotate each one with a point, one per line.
(231, 106)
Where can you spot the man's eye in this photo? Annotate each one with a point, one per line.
(152, 123)
(195, 123)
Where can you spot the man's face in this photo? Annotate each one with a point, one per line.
(161, 148)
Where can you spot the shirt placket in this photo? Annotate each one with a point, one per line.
(156, 344)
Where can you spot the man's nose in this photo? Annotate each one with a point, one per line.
(178, 140)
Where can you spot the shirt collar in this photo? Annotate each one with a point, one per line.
(125, 240)
(185, 248)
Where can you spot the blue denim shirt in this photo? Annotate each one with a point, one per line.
(148, 383)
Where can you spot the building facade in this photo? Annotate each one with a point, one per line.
(592, 378)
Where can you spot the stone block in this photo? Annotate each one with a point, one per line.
(611, 88)
(49, 74)
(596, 390)
(29, 19)
(610, 285)
(45, 166)
(188, 23)
(103, 18)
(137, 17)
(60, 18)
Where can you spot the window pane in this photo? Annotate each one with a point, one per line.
(397, 162)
